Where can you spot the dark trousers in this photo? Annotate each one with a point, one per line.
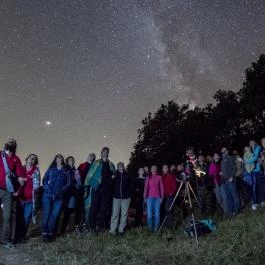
(165, 206)
(243, 191)
(100, 211)
(6, 200)
(139, 210)
(80, 212)
(260, 187)
(20, 224)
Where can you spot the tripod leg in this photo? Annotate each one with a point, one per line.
(194, 195)
(171, 206)
(188, 188)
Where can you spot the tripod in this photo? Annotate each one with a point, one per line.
(187, 195)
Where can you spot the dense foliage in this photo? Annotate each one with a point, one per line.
(232, 120)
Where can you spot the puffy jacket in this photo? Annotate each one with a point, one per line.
(122, 186)
(154, 187)
(56, 182)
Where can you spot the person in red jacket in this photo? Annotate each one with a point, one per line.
(170, 188)
(27, 193)
(82, 214)
(11, 172)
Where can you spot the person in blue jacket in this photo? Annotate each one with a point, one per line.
(56, 182)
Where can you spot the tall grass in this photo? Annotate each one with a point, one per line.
(238, 241)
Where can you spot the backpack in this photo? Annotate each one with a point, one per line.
(203, 228)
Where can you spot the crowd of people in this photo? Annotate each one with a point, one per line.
(98, 195)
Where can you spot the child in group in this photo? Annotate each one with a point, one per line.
(248, 155)
(121, 200)
(153, 194)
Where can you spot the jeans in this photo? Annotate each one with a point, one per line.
(153, 213)
(51, 211)
(231, 201)
(6, 200)
(28, 208)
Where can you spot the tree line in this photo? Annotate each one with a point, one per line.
(231, 120)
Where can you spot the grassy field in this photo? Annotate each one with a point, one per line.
(239, 240)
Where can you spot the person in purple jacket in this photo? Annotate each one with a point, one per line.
(153, 195)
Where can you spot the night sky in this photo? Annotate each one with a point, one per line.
(78, 75)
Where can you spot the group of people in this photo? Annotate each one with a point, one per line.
(99, 195)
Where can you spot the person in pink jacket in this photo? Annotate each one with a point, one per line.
(153, 195)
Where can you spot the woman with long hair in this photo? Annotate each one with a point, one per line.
(71, 195)
(56, 182)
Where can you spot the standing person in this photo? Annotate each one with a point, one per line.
(11, 171)
(70, 196)
(261, 179)
(100, 178)
(146, 171)
(231, 201)
(255, 149)
(216, 178)
(83, 203)
(121, 200)
(170, 188)
(153, 194)
(241, 186)
(201, 183)
(27, 192)
(173, 170)
(139, 198)
(56, 182)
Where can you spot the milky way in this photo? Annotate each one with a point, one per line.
(79, 75)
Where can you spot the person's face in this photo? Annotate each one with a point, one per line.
(31, 160)
(154, 170)
(179, 168)
(224, 151)
(216, 157)
(201, 159)
(146, 170)
(104, 154)
(247, 149)
(141, 171)
(59, 160)
(263, 142)
(71, 162)
(165, 169)
(173, 168)
(121, 167)
(90, 158)
(252, 143)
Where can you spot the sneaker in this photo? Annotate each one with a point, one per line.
(254, 207)
(9, 245)
(262, 204)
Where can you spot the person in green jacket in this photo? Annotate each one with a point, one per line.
(99, 179)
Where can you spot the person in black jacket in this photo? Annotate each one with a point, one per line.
(139, 197)
(121, 200)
